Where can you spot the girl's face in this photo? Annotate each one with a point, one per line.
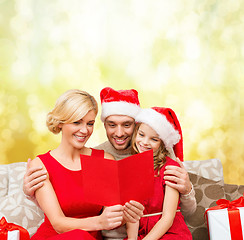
(147, 139)
(77, 133)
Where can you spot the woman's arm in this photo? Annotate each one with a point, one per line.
(170, 204)
(132, 230)
(33, 179)
(110, 218)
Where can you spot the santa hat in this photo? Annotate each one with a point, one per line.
(165, 122)
(121, 102)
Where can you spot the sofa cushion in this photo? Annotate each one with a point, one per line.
(207, 193)
(233, 191)
(14, 206)
(210, 168)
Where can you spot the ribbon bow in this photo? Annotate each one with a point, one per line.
(230, 205)
(5, 227)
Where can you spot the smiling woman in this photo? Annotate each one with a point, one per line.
(77, 133)
(71, 107)
(67, 214)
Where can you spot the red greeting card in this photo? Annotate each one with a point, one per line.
(108, 182)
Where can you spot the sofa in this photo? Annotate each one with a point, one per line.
(206, 177)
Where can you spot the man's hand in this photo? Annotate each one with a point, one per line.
(33, 179)
(133, 211)
(178, 178)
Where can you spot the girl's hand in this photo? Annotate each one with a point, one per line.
(133, 211)
(111, 217)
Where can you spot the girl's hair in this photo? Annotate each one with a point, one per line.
(159, 156)
(70, 107)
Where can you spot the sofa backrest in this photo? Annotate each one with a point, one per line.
(210, 168)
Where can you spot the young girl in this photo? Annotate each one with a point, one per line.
(67, 215)
(156, 129)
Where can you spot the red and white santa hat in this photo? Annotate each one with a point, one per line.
(165, 122)
(121, 102)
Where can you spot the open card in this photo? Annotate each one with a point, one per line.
(108, 182)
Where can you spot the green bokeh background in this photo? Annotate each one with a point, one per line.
(183, 54)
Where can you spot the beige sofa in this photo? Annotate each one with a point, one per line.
(206, 176)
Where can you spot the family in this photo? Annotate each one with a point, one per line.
(53, 179)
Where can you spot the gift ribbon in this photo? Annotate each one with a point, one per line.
(5, 227)
(233, 214)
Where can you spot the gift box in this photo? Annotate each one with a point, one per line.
(226, 220)
(13, 235)
(11, 231)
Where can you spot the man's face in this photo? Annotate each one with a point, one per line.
(119, 129)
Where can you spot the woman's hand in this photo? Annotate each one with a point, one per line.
(111, 217)
(133, 211)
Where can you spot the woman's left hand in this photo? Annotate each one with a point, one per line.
(133, 211)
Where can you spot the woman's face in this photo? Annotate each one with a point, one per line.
(76, 134)
(147, 139)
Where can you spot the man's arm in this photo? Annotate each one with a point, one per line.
(188, 203)
(178, 178)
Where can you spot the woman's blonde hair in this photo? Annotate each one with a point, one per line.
(159, 156)
(70, 107)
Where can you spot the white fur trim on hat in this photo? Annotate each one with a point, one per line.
(161, 125)
(119, 108)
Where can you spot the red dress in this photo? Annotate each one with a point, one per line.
(68, 187)
(179, 229)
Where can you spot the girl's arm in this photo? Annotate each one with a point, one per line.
(183, 185)
(169, 209)
(47, 199)
(132, 230)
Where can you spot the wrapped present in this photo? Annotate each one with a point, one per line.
(11, 231)
(13, 235)
(226, 220)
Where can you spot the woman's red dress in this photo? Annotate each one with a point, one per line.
(68, 187)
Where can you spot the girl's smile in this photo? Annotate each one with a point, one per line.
(147, 139)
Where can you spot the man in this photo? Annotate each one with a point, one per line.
(119, 109)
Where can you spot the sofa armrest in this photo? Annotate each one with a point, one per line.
(14, 206)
